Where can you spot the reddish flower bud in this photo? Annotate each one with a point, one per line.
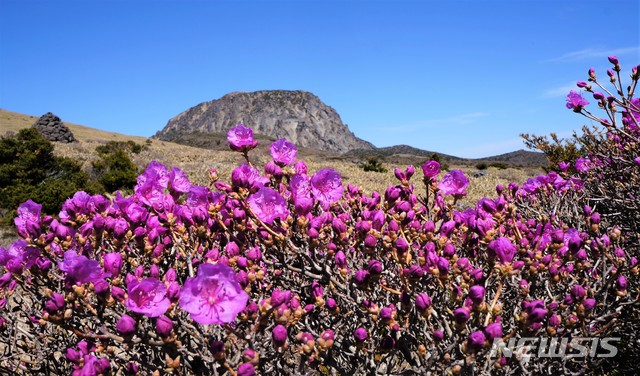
(246, 369)
(476, 294)
(423, 302)
(164, 326)
(126, 325)
(279, 335)
(360, 335)
(493, 331)
(461, 315)
(476, 340)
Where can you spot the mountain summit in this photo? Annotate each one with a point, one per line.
(298, 116)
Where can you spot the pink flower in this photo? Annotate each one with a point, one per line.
(431, 169)
(283, 152)
(147, 297)
(326, 186)
(28, 220)
(454, 183)
(241, 138)
(80, 269)
(575, 101)
(268, 205)
(503, 249)
(214, 296)
(179, 181)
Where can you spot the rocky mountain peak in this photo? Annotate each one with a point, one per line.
(298, 116)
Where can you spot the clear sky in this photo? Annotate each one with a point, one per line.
(458, 77)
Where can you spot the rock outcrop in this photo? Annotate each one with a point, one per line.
(298, 116)
(52, 128)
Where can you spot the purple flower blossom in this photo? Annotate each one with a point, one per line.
(283, 152)
(503, 249)
(28, 220)
(431, 169)
(80, 269)
(454, 183)
(583, 164)
(214, 296)
(241, 138)
(19, 256)
(575, 101)
(147, 297)
(326, 186)
(247, 176)
(178, 181)
(268, 205)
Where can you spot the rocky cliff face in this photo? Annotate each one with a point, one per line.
(298, 116)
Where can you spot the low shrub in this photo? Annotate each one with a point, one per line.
(287, 271)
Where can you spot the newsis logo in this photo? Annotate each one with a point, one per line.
(526, 348)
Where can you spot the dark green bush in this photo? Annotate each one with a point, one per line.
(29, 170)
(115, 169)
(373, 164)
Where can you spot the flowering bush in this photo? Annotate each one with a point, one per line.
(291, 272)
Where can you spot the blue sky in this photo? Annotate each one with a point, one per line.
(458, 77)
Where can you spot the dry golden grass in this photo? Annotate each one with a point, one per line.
(196, 162)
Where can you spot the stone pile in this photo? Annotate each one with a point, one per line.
(52, 128)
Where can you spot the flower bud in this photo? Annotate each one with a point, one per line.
(246, 369)
(164, 326)
(331, 305)
(113, 263)
(73, 355)
(493, 330)
(126, 325)
(476, 294)
(217, 349)
(461, 315)
(589, 304)
(279, 334)
(360, 335)
(476, 340)
(423, 302)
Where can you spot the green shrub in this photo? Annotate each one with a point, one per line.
(115, 169)
(29, 170)
(373, 164)
(481, 166)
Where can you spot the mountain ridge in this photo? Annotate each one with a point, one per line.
(299, 116)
